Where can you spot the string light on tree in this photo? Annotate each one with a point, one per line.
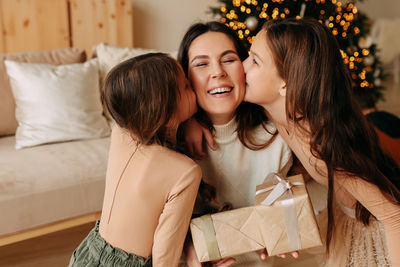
(348, 25)
(251, 23)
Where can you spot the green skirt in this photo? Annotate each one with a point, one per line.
(95, 251)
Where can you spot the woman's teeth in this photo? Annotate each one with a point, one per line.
(220, 90)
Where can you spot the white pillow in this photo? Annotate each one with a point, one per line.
(56, 103)
(110, 55)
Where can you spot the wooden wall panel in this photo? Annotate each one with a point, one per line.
(34, 24)
(96, 21)
(2, 48)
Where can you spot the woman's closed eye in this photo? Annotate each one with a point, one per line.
(200, 64)
(229, 60)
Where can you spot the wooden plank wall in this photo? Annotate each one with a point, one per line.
(94, 21)
(1, 32)
(29, 25)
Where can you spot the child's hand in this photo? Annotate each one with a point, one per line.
(264, 254)
(191, 256)
(194, 133)
(192, 261)
(220, 263)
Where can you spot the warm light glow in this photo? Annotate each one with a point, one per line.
(365, 52)
(263, 15)
(356, 30)
(362, 75)
(344, 34)
(275, 13)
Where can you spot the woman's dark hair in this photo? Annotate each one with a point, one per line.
(248, 115)
(141, 96)
(319, 92)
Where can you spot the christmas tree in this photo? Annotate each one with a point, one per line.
(348, 25)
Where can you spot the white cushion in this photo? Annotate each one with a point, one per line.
(110, 55)
(56, 103)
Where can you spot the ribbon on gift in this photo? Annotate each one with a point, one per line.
(282, 188)
(210, 238)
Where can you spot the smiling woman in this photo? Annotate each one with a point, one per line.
(248, 148)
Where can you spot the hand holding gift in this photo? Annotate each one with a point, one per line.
(284, 223)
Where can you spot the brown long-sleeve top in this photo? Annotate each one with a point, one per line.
(149, 197)
(349, 190)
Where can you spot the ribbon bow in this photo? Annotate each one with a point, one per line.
(278, 189)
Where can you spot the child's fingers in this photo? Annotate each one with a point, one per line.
(225, 262)
(209, 139)
(264, 254)
(295, 254)
(198, 149)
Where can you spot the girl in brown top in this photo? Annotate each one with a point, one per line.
(150, 188)
(296, 72)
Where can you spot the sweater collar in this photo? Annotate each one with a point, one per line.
(226, 132)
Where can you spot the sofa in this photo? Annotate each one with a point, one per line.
(54, 138)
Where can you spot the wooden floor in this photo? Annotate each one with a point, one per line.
(49, 250)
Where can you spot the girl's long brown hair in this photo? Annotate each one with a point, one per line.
(248, 115)
(319, 92)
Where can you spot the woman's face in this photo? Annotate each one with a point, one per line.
(217, 76)
(186, 98)
(264, 86)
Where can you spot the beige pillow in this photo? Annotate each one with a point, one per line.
(8, 123)
(56, 103)
(110, 55)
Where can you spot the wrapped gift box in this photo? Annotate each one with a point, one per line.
(282, 220)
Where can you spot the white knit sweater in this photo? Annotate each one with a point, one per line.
(235, 171)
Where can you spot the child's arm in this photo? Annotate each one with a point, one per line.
(194, 134)
(174, 219)
(351, 189)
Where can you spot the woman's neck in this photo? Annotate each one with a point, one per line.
(221, 119)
